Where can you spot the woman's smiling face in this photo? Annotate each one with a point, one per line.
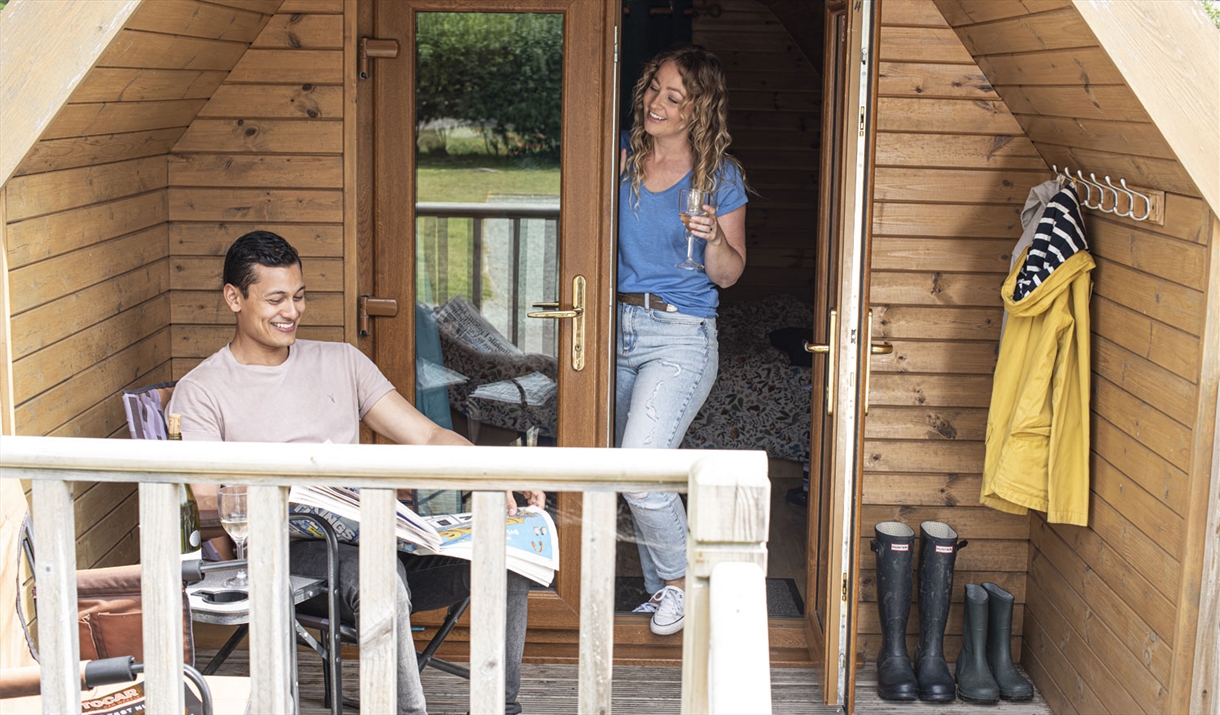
(664, 100)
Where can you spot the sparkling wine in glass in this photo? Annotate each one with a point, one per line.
(231, 503)
(690, 203)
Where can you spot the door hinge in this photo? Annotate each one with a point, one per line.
(861, 121)
(372, 48)
(844, 596)
(616, 45)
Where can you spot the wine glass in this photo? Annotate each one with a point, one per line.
(231, 503)
(690, 203)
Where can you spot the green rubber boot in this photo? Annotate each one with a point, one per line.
(974, 680)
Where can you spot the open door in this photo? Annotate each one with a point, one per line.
(842, 335)
(490, 249)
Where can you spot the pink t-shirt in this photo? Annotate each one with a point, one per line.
(320, 393)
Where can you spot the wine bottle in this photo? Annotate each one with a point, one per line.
(190, 538)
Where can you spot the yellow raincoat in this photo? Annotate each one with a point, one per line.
(1038, 426)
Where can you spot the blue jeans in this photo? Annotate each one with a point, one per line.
(666, 365)
(425, 583)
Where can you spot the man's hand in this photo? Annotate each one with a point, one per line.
(533, 497)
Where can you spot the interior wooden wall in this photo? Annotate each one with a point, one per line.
(775, 105)
(952, 171)
(1109, 618)
(266, 152)
(87, 245)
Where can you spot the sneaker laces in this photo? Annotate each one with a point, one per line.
(671, 606)
(651, 605)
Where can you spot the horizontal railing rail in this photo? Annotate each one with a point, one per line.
(729, 494)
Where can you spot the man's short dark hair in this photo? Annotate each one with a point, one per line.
(257, 247)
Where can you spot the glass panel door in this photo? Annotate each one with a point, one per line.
(488, 112)
(492, 151)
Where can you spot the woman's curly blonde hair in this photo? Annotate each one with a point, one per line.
(706, 108)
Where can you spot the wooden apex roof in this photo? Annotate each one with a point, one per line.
(1119, 87)
(88, 69)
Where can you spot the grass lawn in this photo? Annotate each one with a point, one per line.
(467, 174)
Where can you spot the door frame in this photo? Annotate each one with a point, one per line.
(847, 290)
(825, 299)
(588, 173)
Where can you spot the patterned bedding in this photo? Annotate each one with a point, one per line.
(760, 400)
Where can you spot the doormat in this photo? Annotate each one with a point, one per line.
(783, 598)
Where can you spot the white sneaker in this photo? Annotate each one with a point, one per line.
(649, 606)
(670, 615)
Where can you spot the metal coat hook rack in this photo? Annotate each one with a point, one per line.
(1121, 200)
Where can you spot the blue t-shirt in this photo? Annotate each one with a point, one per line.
(652, 241)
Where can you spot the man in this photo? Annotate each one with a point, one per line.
(268, 386)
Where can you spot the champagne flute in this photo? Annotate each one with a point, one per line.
(690, 203)
(231, 503)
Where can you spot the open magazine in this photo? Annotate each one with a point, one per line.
(129, 700)
(533, 550)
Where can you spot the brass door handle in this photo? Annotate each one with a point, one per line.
(881, 349)
(557, 314)
(576, 315)
(829, 351)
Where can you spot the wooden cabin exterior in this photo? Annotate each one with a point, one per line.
(159, 131)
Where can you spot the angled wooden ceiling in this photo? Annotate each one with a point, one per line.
(147, 82)
(1088, 85)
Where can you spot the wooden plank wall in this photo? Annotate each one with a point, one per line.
(266, 152)
(86, 240)
(952, 171)
(775, 103)
(1109, 618)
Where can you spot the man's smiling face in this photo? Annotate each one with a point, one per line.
(269, 313)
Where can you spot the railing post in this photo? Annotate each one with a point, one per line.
(272, 638)
(378, 622)
(488, 605)
(161, 588)
(55, 575)
(739, 667)
(729, 503)
(598, 548)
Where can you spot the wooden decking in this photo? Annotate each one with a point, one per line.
(642, 690)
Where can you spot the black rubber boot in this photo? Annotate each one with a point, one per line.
(974, 680)
(938, 551)
(895, 560)
(1013, 685)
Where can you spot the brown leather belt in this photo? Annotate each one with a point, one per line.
(648, 301)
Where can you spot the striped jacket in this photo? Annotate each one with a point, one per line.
(1059, 236)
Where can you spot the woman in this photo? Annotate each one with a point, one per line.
(667, 352)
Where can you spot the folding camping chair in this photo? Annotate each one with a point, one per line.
(146, 420)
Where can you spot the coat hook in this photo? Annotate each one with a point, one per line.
(1147, 202)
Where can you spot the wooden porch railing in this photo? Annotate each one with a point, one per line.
(728, 503)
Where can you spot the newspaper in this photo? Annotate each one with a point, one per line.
(458, 317)
(537, 388)
(533, 550)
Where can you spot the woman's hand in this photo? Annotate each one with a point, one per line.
(725, 257)
(707, 228)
